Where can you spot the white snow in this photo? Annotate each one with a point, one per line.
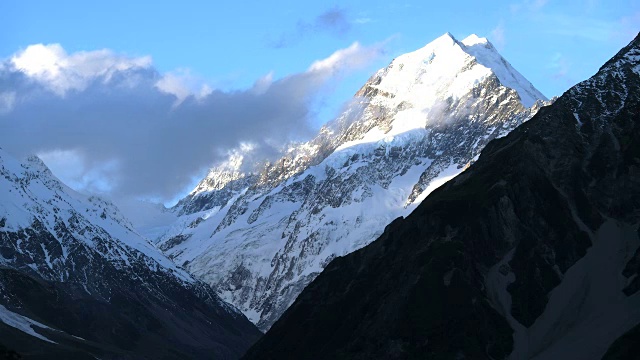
(578, 119)
(487, 56)
(497, 284)
(22, 323)
(445, 175)
(588, 310)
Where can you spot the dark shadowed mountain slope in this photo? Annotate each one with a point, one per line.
(77, 282)
(532, 253)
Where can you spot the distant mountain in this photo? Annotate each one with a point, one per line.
(77, 281)
(261, 238)
(531, 253)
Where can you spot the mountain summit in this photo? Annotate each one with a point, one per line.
(447, 67)
(261, 238)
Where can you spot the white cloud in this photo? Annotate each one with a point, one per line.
(108, 122)
(173, 84)
(353, 57)
(53, 67)
(182, 84)
(262, 84)
(40, 60)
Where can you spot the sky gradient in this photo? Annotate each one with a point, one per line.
(237, 51)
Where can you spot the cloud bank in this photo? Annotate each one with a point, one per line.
(113, 123)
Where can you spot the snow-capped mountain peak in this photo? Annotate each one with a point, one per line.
(415, 124)
(447, 68)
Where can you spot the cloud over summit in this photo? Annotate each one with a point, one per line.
(114, 123)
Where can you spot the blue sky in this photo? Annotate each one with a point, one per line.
(230, 44)
(237, 45)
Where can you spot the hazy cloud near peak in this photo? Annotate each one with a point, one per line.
(113, 123)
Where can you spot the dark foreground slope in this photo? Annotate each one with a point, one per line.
(77, 282)
(531, 253)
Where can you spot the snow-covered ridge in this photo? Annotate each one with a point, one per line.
(30, 193)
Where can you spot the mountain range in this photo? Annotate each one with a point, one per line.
(451, 211)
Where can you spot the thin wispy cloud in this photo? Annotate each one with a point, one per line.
(584, 23)
(334, 21)
(628, 26)
(527, 6)
(577, 26)
(60, 72)
(497, 36)
(560, 66)
(114, 123)
(363, 20)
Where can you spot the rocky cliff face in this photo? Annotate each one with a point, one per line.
(531, 253)
(76, 281)
(261, 239)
